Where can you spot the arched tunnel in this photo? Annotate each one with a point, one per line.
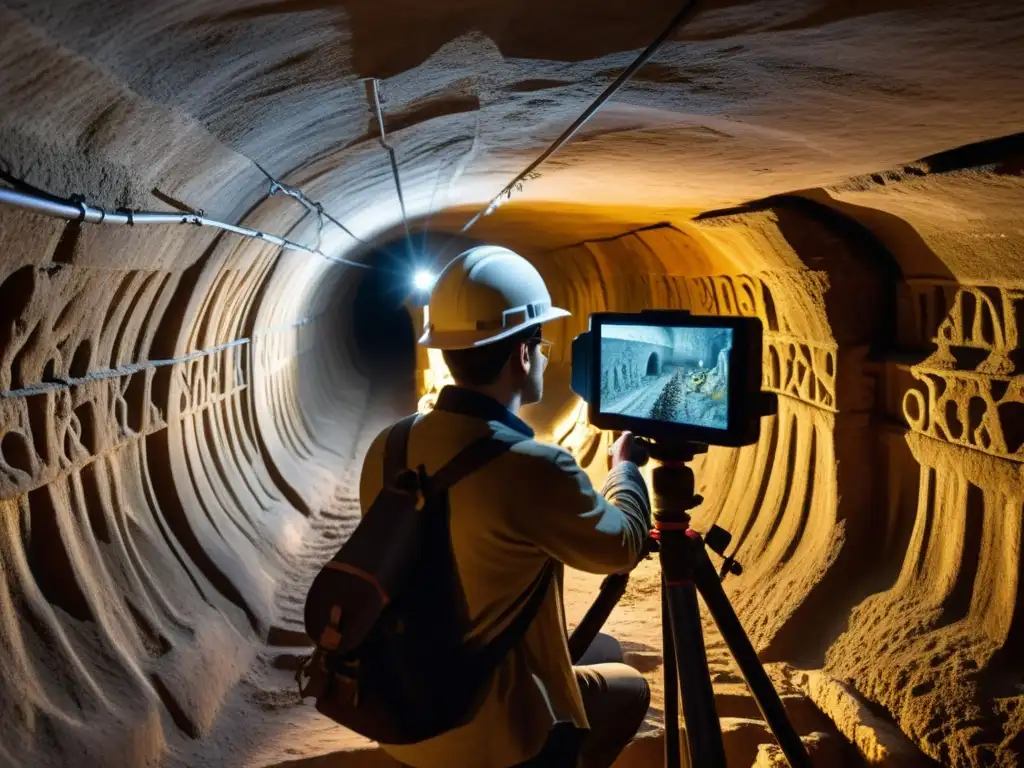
(653, 364)
(184, 409)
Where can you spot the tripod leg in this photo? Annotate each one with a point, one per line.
(612, 589)
(673, 753)
(768, 701)
(703, 729)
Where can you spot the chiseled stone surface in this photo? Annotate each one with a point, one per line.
(183, 412)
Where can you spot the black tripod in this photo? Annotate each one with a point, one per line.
(685, 569)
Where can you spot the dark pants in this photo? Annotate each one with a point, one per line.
(616, 698)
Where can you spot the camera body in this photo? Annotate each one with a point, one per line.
(672, 376)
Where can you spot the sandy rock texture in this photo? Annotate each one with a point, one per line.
(183, 411)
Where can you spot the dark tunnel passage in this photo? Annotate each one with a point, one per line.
(206, 319)
(383, 331)
(653, 364)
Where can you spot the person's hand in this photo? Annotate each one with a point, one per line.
(627, 448)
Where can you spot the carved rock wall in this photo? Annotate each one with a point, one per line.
(157, 471)
(949, 670)
(145, 520)
(878, 518)
(183, 415)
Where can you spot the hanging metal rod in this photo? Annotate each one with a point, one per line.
(312, 205)
(276, 186)
(685, 14)
(79, 210)
(373, 85)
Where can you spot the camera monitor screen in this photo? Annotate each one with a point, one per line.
(673, 375)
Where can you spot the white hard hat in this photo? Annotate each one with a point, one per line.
(486, 294)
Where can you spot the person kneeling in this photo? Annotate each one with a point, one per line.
(532, 508)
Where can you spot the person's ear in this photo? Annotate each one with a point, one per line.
(524, 358)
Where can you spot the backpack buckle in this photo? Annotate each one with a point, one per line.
(414, 482)
(423, 485)
(331, 635)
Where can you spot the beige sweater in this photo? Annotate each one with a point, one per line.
(530, 504)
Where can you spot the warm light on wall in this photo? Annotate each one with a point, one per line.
(435, 376)
(575, 432)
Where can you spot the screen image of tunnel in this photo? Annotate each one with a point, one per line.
(669, 374)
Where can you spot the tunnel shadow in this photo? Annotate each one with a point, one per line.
(888, 234)
(1003, 154)
(393, 36)
(383, 339)
(870, 254)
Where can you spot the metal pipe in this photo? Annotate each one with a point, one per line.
(677, 21)
(375, 92)
(79, 210)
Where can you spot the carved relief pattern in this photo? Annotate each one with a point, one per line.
(51, 428)
(799, 369)
(969, 409)
(972, 393)
(956, 318)
(203, 381)
(792, 366)
(47, 434)
(131, 537)
(72, 321)
(279, 348)
(735, 296)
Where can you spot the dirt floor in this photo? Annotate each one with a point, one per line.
(263, 723)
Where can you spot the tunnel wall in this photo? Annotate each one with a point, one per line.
(158, 459)
(878, 517)
(148, 507)
(950, 401)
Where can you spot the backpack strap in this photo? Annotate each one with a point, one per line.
(466, 462)
(470, 459)
(396, 448)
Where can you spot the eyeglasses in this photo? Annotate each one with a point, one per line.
(544, 344)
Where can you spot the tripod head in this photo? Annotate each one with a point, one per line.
(674, 495)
